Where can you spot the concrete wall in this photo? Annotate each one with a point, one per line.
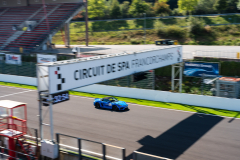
(13, 3)
(18, 79)
(182, 98)
(53, 1)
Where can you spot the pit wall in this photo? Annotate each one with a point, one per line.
(154, 95)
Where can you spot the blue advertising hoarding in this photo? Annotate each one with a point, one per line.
(199, 69)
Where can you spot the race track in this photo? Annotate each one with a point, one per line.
(167, 133)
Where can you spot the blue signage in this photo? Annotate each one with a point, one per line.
(199, 69)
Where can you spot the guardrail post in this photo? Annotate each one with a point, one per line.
(104, 151)
(17, 71)
(123, 154)
(58, 142)
(134, 155)
(2, 150)
(3, 67)
(36, 135)
(79, 149)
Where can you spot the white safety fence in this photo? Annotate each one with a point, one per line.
(231, 54)
(154, 95)
(188, 55)
(143, 156)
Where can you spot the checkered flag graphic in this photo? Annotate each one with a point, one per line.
(59, 76)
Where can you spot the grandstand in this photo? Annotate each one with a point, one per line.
(28, 28)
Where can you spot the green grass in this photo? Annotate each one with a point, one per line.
(174, 106)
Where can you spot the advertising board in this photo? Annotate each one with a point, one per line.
(66, 75)
(43, 58)
(59, 97)
(13, 59)
(198, 69)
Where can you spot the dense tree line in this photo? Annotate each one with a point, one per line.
(109, 9)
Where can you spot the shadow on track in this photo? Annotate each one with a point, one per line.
(175, 141)
(112, 110)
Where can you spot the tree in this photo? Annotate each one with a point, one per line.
(138, 7)
(115, 11)
(196, 26)
(205, 7)
(187, 5)
(232, 6)
(220, 5)
(173, 4)
(96, 8)
(125, 8)
(161, 7)
(238, 5)
(165, 1)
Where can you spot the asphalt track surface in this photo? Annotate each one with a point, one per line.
(167, 133)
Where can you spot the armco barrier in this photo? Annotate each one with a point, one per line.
(154, 95)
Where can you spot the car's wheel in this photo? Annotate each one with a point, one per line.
(97, 105)
(115, 108)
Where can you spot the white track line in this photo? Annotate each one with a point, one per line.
(15, 87)
(16, 93)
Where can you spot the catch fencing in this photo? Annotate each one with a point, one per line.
(27, 69)
(147, 23)
(88, 148)
(229, 54)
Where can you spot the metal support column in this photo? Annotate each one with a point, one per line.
(144, 28)
(180, 77)
(128, 80)
(103, 151)
(51, 117)
(134, 156)
(153, 85)
(45, 98)
(79, 149)
(123, 154)
(177, 76)
(58, 142)
(173, 77)
(67, 35)
(86, 21)
(40, 116)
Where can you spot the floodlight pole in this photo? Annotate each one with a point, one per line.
(40, 116)
(51, 117)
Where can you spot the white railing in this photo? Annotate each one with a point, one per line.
(230, 54)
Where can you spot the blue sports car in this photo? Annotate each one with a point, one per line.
(110, 103)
